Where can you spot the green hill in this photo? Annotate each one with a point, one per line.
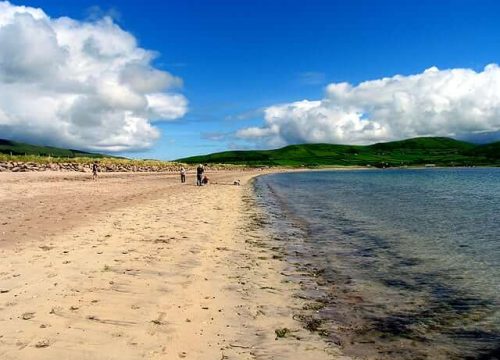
(418, 151)
(18, 148)
(490, 151)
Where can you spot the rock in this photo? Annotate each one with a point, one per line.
(43, 343)
(28, 315)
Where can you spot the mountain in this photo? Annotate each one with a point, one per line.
(418, 151)
(18, 148)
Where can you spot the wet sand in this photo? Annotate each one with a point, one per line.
(140, 266)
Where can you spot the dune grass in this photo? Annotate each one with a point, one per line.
(103, 161)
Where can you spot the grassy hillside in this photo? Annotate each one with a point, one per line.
(436, 150)
(490, 151)
(18, 148)
(419, 151)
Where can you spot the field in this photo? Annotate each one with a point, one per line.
(413, 152)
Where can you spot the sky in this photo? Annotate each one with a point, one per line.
(169, 79)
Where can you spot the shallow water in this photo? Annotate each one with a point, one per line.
(408, 260)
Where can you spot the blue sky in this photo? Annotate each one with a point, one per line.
(237, 58)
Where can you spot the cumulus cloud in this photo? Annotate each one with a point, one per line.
(80, 84)
(433, 103)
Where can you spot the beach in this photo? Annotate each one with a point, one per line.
(139, 266)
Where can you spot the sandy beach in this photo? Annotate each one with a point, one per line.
(139, 266)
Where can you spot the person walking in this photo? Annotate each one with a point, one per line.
(199, 175)
(183, 175)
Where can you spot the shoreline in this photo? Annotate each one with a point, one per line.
(139, 266)
(346, 312)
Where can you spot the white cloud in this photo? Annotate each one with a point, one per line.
(80, 84)
(166, 106)
(434, 103)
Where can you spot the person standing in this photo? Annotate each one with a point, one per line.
(199, 175)
(183, 175)
(95, 169)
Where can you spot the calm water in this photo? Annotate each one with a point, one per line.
(408, 260)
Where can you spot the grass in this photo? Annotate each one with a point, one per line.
(103, 161)
(26, 153)
(11, 151)
(418, 151)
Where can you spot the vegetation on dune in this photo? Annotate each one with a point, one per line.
(103, 161)
(412, 152)
(26, 153)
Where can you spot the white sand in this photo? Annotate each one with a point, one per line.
(140, 266)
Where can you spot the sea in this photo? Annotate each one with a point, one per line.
(394, 263)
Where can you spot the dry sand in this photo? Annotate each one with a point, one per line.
(140, 266)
